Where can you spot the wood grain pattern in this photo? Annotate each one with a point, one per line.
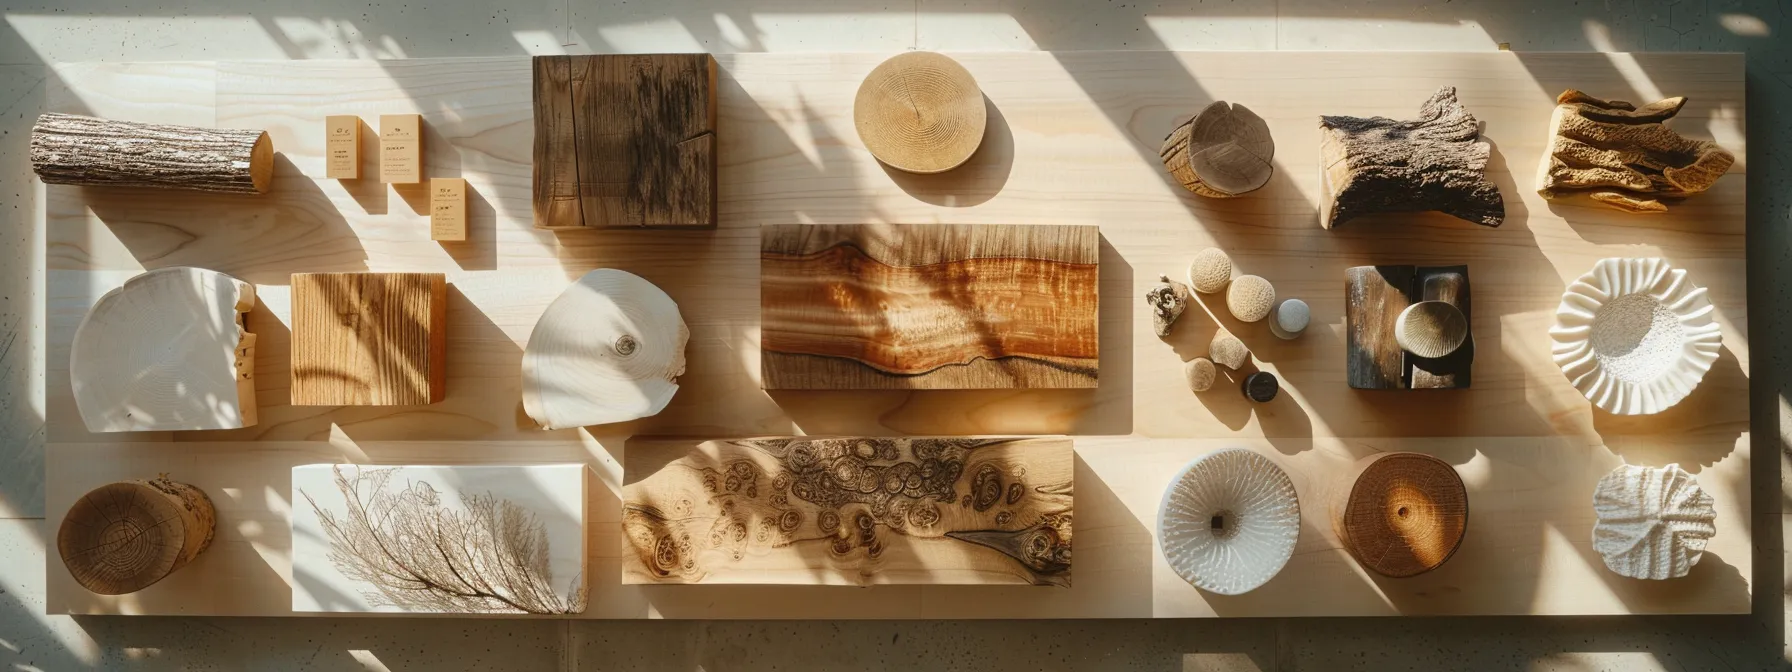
(1374, 298)
(848, 511)
(1082, 151)
(929, 306)
(625, 141)
(125, 536)
(82, 150)
(1401, 514)
(368, 339)
(1530, 550)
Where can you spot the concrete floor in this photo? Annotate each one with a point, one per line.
(35, 33)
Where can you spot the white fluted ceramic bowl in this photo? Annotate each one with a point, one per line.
(1229, 521)
(1635, 336)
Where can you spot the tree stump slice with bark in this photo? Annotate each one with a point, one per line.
(87, 151)
(1623, 156)
(124, 537)
(1224, 151)
(1380, 165)
(1401, 514)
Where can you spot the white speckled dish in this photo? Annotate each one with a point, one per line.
(1229, 521)
(1635, 336)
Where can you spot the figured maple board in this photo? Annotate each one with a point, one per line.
(368, 339)
(848, 511)
(1075, 142)
(439, 539)
(1528, 550)
(624, 141)
(928, 306)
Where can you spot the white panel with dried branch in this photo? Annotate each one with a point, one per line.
(451, 540)
(167, 351)
(1653, 523)
(609, 349)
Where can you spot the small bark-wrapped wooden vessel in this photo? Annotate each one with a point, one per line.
(88, 151)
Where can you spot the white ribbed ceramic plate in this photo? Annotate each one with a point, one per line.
(1635, 336)
(1229, 521)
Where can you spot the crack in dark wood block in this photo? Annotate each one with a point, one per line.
(625, 141)
(1374, 296)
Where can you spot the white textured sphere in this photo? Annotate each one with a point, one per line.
(1652, 523)
(1229, 521)
(1210, 271)
(1250, 297)
(1635, 336)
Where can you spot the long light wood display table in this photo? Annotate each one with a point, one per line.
(1073, 139)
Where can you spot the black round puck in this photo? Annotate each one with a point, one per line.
(1261, 386)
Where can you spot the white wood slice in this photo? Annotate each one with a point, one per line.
(1653, 523)
(439, 539)
(609, 349)
(167, 351)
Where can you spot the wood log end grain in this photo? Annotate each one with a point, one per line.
(1224, 151)
(124, 537)
(1400, 514)
(920, 112)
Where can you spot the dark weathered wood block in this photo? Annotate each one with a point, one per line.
(625, 141)
(1373, 299)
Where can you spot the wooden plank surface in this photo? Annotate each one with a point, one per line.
(368, 339)
(625, 141)
(1073, 140)
(855, 511)
(928, 306)
(1528, 549)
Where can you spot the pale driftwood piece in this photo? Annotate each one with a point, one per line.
(1381, 165)
(848, 511)
(1624, 156)
(1210, 271)
(167, 351)
(1222, 152)
(1168, 299)
(87, 151)
(463, 539)
(609, 349)
(1400, 514)
(920, 112)
(1652, 523)
(1250, 298)
(1228, 523)
(126, 536)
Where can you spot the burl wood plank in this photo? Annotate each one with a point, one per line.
(848, 511)
(929, 306)
(1373, 299)
(625, 141)
(369, 339)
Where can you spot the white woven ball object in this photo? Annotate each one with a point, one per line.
(1652, 523)
(1229, 521)
(1635, 336)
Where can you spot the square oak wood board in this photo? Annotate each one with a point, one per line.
(1075, 143)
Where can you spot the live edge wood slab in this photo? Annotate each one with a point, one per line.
(928, 306)
(625, 140)
(1080, 148)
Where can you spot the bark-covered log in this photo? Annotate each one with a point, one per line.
(72, 149)
(1224, 151)
(124, 537)
(1623, 156)
(1378, 165)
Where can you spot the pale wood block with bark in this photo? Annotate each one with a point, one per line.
(126, 536)
(1625, 156)
(168, 350)
(625, 141)
(1379, 165)
(929, 306)
(439, 539)
(88, 151)
(848, 511)
(1223, 151)
(369, 339)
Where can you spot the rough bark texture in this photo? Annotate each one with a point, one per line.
(124, 537)
(72, 149)
(1623, 156)
(1379, 165)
